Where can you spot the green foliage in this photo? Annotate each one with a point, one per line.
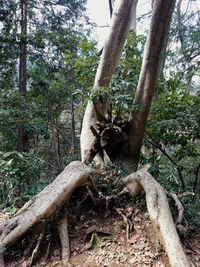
(183, 45)
(18, 173)
(125, 80)
(83, 63)
(44, 113)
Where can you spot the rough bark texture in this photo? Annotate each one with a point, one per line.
(160, 215)
(156, 40)
(22, 134)
(133, 27)
(119, 28)
(46, 203)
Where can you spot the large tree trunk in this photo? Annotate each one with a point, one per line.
(128, 150)
(156, 41)
(22, 133)
(55, 196)
(119, 28)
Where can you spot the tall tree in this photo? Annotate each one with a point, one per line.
(126, 145)
(22, 133)
(123, 12)
(184, 44)
(34, 38)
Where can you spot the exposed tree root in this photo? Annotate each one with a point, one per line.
(46, 203)
(180, 222)
(64, 238)
(128, 223)
(47, 251)
(36, 250)
(179, 206)
(54, 197)
(160, 215)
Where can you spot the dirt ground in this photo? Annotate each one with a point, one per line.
(121, 238)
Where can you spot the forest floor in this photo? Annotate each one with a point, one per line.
(100, 238)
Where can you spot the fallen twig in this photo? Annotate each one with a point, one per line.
(36, 250)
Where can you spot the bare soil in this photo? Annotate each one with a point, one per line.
(99, 239)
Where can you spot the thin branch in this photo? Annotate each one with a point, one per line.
(110, 7)
(185, 194)
(179, 206)
(159, 146)
(144, 15)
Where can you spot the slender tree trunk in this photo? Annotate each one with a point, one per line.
(110, 7)
(128, 151)
(156, 40)
(133, 21)
(22, 134)
(56, 145)
(187, 61)
(73, 136)
(119, 28)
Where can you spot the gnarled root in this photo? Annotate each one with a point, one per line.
(45, 204)
(64, 238)
(55, 196)
(160, 215)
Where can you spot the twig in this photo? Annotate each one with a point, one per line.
(47, 251)
(127, 222)
(36, 250)
(179, 206)
(185, 194)
(158, 146)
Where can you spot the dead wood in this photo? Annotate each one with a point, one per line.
(36, 250)
(46, 203)
(108, 138)
(160, 215)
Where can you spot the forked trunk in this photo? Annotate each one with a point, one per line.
(128, 150)
(119, 28)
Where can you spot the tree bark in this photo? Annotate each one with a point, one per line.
(161, 16)
(119, 28)
(73, 135)
(160, 215)
(156, 40)
(22, 133)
